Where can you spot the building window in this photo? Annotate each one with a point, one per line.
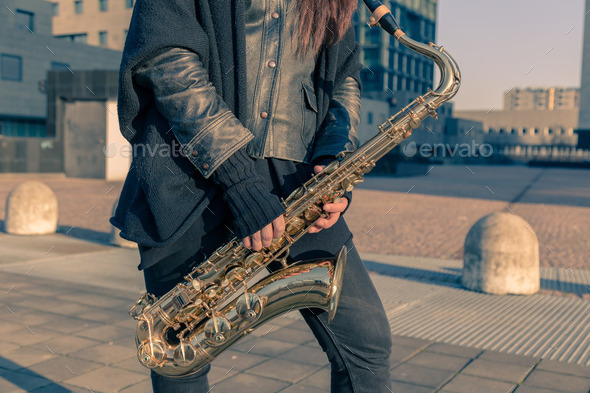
(55, 65)
(129, 3)
(81, 38)
(78, 7)
(102, 37)
(103, 5)
(24, 20)
(55, 8)
(11, 68)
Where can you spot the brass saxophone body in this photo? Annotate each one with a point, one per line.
(223, 299)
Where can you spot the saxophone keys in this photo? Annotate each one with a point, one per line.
(151, 354)
(295, 226)
(249, 306)
(312, 213)
(215, 330)
(184, 354)
(254, 260)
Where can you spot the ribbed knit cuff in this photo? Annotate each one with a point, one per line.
(250, 202)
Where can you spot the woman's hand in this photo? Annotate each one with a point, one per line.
(264, 237)
(334, 210)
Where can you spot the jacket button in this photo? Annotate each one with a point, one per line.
(205, 166)
(275, 15)
(272, 64)
(195, 153)
(264, 115)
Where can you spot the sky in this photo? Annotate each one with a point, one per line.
(501, 44)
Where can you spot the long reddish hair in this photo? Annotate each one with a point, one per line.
(322, 22)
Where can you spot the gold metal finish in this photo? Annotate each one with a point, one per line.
(217, 303)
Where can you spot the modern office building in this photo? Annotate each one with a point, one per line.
(94, 22)
(542, 98)
(28, 51)
(390, 66)
(527, 127)
(584, 119)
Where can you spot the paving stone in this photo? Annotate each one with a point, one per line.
(142, 387)
(564, 368)
(290, 335)
(454, 350)
(7, 327)
(24, 357)
(419, 375)
(469, 384)
(218, 374)
(508, 358)
(11, 381)
(283, 369)
(132, 364)
(409, 341)
(307, 355)
(90, 299)
(264, 346)
(558, 382)
(69, 344)
(497, 370)
(249, 383)
(61, 388)
(27, 335)
(8, 347)
(29, 317)
(105, 353)
(108, 333)
(304, 389)
(64, 324)
(237, 361)
(107, 379)
(320, 379)
(439, 361)
(529, 389)
(48, 304)
(401, 353)
(60, 368)
(409, 388)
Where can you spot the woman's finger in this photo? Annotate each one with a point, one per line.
(247, 242)
(266, 235)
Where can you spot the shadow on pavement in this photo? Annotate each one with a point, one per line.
(29, 380)
(453, 278)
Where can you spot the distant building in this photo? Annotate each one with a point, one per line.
(94, 22)
(584, 119)
(527, 127)
(389, 66)
(27, 52)
(542, 98)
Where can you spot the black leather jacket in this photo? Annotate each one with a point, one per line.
(207, 129)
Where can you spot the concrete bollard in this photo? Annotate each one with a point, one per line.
(501, 256)
(116, 238)
(31, 209)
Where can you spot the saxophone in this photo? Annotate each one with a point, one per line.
(225, 298)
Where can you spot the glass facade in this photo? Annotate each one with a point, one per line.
(23, 127)
(390, 66)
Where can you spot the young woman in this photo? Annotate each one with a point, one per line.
(230, 106)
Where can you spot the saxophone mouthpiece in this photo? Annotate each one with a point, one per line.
(381, 15)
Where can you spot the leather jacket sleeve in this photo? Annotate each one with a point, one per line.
(205, 127)
(210, 135)
(339, 129)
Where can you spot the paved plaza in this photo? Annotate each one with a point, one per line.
(64, 298)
